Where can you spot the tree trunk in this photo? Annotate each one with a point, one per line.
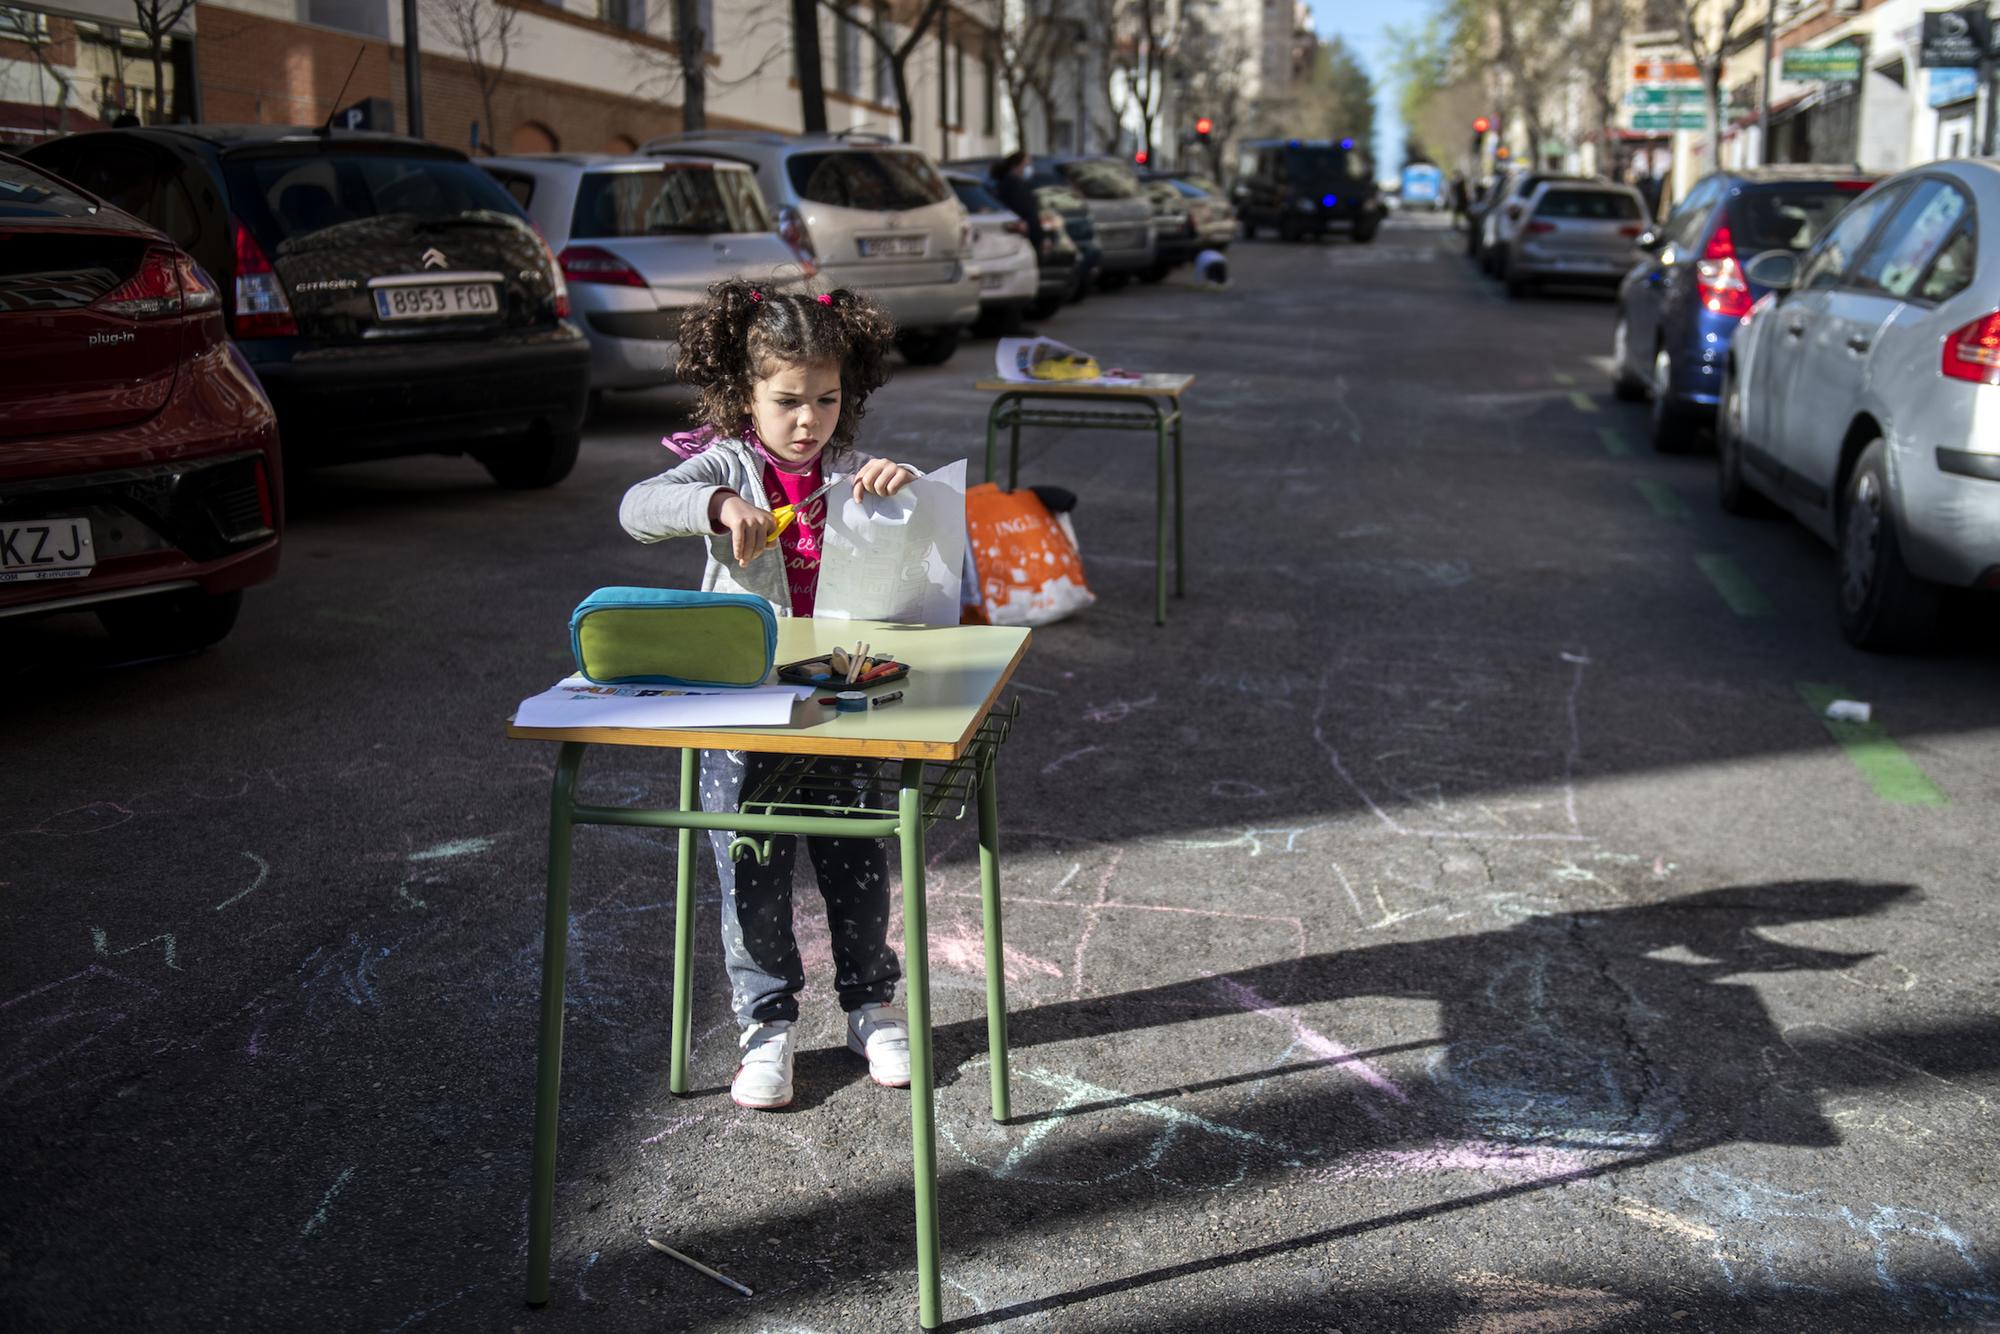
(692, 42)
(159, 82)
(805, 46)
(1711, 84)
(905, 117)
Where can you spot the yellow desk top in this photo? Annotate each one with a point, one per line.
(1152, 385)
(956, 675)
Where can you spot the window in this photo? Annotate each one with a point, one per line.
(847, 53)
(286, 199)
(958, 86)
(627, 14)
(704, 17)
(521, 187)
(885, 73)
(884, 180)
(976, 197)
(1685, 224)
(1589, 206)
(1784, 217)
(1951, 271)
(1911, 239)
(667, 201)
(989, 119)
(1095, 179)
(1836, 250)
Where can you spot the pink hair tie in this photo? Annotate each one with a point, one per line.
(756, 295)
(826, 298)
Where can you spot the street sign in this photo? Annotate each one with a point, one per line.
(370, 113)
(1666, 95)
(1677, 118)
(1828, 64)
(1955, 38)
(1666, 71)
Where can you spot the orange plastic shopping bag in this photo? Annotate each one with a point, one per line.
(1029, 572)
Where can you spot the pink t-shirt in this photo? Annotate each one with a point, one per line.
(799, 544)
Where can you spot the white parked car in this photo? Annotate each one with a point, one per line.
(871, 215)
(639, 240)
(1002, 258)
(1863, 395)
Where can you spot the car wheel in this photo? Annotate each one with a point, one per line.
(170, 622)
(929, 348)
(1111, 282)
(1364, 232)
(1882, 605)
(1625, 386)
(1670, 431)
(1732, 490)
(1287, 230)
(544, 459)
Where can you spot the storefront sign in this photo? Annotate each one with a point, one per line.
(1665, 95)
(1955, 39)
(1666, 71)
(1828, 64)
(1675, 118)
(1952, 85)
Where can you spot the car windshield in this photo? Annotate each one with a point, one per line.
(976, 197)
(1102, 180)
(1201, 183)
(1786, 217)
(1325, 165)
(1588, 205)
(667, 201)
(288, 199)
(26, 193)
(1061, 200)
(860, 178)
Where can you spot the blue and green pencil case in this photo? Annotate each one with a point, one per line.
(673, 637)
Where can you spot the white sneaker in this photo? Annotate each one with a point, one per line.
(764, 1077)
(881, 1033)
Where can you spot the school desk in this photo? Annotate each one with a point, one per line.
(1149, 403)
(935, 747)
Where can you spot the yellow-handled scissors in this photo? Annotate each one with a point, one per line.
(786, 514)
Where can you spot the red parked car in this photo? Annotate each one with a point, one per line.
(138, 456)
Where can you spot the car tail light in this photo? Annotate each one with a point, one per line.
(792, 231)
(154, 291)
(261, 309)
(1718, 281)
(1635, 231)
(198, 290)
(1973, 352)
(1538, 227)
(1852, 187)
(594, 264)
(558, 288)
(1017, 227)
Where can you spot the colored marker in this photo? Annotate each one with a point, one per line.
(889, 698)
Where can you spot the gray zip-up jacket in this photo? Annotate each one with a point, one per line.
(675, 504)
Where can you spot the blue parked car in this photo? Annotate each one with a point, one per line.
(1680, 305)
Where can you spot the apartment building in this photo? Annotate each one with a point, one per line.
(501, 75)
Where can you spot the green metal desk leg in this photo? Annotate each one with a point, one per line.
(548, 1056)
(996, 961)
(917, 992)
(1014, 448)
(677, 1071)
(992, 433)
(1180, 557)
(1160, 518)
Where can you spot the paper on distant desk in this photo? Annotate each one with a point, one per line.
(896, 558)
(1015, 359)
(575, 702)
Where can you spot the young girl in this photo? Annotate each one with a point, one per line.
(784, 378)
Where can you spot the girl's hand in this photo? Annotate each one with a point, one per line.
(749, 528)
(882, 478)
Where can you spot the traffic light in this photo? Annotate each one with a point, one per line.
(1139, 158)
(1502, 152)
(1481, 125)
(1203, 127)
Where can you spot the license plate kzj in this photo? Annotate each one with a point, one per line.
(45, 549)
(435, 301)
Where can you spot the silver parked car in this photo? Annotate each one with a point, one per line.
(639, 240)
(1574, 232)
(1863, 395)
(1502, 216)
(1121, 212)
(1009, 277)
(871, 215)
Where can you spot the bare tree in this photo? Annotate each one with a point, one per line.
(1151, 58)
(692, 41)
(483, 30)
(1216, 53)
(1030, 36)
(1707, 26)
(762, 35)
(896, 54)
(26, 27)
(157, 19)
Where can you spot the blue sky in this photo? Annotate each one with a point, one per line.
(1364, 26)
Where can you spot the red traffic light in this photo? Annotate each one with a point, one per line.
(1481, 125)
(1139, 158)
(1203, 126)
(1503, 152)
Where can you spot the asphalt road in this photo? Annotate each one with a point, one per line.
(1455, 919)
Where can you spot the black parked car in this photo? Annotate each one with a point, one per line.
(1307, 187)
(391, 296)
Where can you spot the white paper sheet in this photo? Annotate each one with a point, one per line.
(896, 558)
(1014, 359)
(575, 702)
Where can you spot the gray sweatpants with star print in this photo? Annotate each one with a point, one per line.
(759, 950)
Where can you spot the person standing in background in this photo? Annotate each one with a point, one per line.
(1010, 186)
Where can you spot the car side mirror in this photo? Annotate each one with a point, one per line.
(1775, 269)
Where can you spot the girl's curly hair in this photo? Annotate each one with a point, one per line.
(730, 341)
